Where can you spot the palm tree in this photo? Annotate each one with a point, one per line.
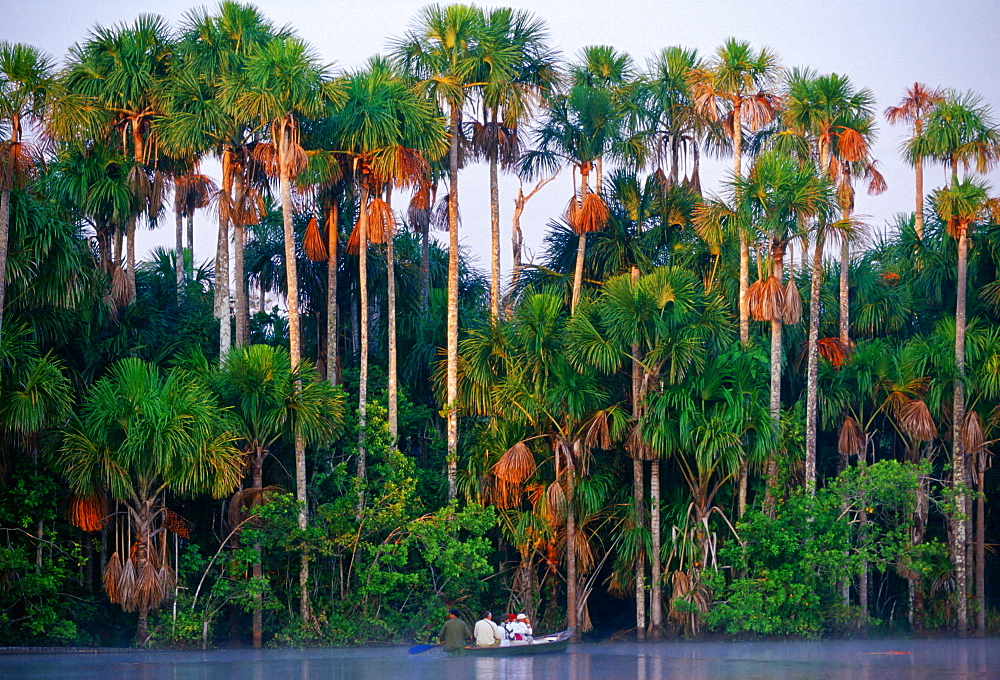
(200, 118)
(961, 206)
(25, 80)
(282, 82)
(662, 324)
(521, 71)
(666, 94)
(833, 117)
(736, 88)
(443, 53)
(141, 434)
(578, 129)
(114, 82)
(383, 127)
(913, 108)
(259, 387)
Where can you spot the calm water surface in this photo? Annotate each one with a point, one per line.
(828, 660)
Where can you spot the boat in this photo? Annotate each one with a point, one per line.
(543, 644)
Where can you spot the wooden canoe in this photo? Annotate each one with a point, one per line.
(543, 644)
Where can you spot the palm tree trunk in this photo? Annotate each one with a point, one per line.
(453, 257)
(581, 249)
(744, 308)
(958, 452)
(571, 603)
(239, 274)
(363, 378)
(494, 233)
(393, 387)
(918, 213)
(179, 247)
(640, 562)
(222, 255)
(258, 616)
(655, 596)
(981, 547)
(294, 352)
(190, 241)
(812, 371)
(516, 239)
(4, 239)
(845, 266)
(130, 257)
(332, 308)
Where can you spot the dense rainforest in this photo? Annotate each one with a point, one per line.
(733, 410)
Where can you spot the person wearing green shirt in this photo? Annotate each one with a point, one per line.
(455, 632)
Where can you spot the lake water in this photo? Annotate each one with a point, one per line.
(797, 660)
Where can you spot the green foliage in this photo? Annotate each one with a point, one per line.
(785, 571)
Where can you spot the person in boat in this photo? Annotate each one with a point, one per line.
(520, 630)
(486, 632)
(455, 632)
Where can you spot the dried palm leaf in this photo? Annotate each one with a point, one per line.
(765, 298)
(381, 221)
(791, 306)
(505, 495)
(834, 350)
(852, 438)
(516, 464)
(637, 447)
(119, 287)
(535, 493)
(915, 420)
(591, 216)
(126, 586)
(313, 243)
(972, 435)
(555, 502)
(112, 577)
(598, 432)
(88, 512)
(584, 553)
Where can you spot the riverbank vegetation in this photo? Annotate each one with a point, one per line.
(700, 410)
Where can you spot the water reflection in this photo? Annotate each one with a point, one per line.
(829, 660)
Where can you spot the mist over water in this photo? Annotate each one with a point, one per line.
(797, 660)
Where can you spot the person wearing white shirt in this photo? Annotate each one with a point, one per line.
(486, 632)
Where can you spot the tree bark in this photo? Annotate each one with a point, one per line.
(294, 347)
(812, 371)
(258, 608)
(363, 378)
(179, 246)
(571, 597)
(494, 231)
(744, 309)
(222, 312)
(640, 562)
(981, 546)
(655, 591)
(958, 451)
(581, 249)
(130, 258)
(845, 266)
(393, 386)
(453, 259)
(332, 307)
(239, 274)
(4, 240)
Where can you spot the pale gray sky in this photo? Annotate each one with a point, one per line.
(884, 45)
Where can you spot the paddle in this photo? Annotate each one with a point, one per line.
(421, 648)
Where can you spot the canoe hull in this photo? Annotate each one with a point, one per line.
(547, 644)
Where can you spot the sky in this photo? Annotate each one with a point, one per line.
(884, 45)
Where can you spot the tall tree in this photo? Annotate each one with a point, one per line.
(282, 82)
(140, 435)
(383, 127)
(115, 83)
(25, 82)
(830, 114)
(443, 52)
(521, 70)
(259, 387)
(962, 205)
(737, 87)
(913, 108)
